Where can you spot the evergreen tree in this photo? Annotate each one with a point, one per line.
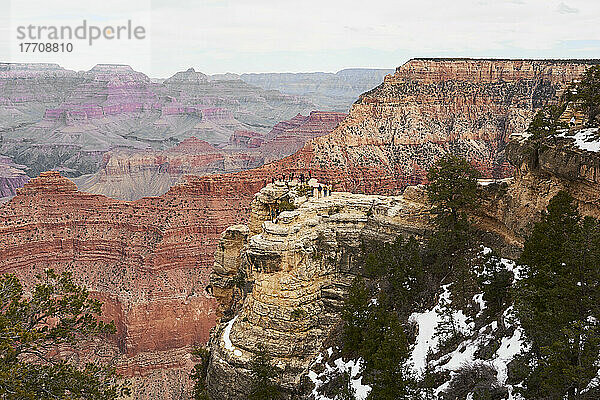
(385, 352)
(588, 93)
(355, 315)
(447, 328)
(33, 329)
(495, 282)
(338, 386)
(557, 303)
(263, 375)
(453, 191)
(199, 372)
(399, 272)
(374, 332)
(427, 383)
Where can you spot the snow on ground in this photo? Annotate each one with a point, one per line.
(509, 348)
(427, 323)
(426, 339)
(227, 340)
(465, 353)
(585, 139)
(352, 367)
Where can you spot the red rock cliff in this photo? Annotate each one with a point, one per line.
(151, 258)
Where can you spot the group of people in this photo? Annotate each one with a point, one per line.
(290, 178)
(323, 191)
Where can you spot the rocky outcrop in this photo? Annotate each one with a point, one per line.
(543, 167)
(300, 266)
(246, 139)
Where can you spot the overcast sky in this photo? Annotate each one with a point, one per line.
(238, 36)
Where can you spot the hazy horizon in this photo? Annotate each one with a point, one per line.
(263, 36)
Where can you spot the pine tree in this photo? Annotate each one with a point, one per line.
(447, 328)
(495, 282)
(263, 375)
(385, 352)
(557, 302)
(355, 315)
(58, 314)
(199, 372)
(453, 191)
(428, 381)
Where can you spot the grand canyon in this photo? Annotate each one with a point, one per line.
(156, 193)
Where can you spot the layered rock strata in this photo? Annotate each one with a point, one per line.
(543, 167)
(148, 260)
(300, 266)
(433, 107)
(133, 174)
(56, 119)
(12, 176)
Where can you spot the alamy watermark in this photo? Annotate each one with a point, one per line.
(52, 38)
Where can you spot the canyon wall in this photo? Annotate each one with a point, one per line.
(56, 119)
(430, 108)
(331, 92)
(12, 176)
(148, 260)
(133, 174)
(543, 167)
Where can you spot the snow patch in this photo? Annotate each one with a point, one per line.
(509, 348)
(585, 139)
(227, 340)
(352, 367)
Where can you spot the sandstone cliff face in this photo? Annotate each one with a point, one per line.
(300, 267)
(429, 108)
(286, 139)
(542, 169)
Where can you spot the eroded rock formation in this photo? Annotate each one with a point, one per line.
(151, 258)
(56, 119)
(542, 168)
(300, 266)
(133, 174)
(432, 107)
(12, 176)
